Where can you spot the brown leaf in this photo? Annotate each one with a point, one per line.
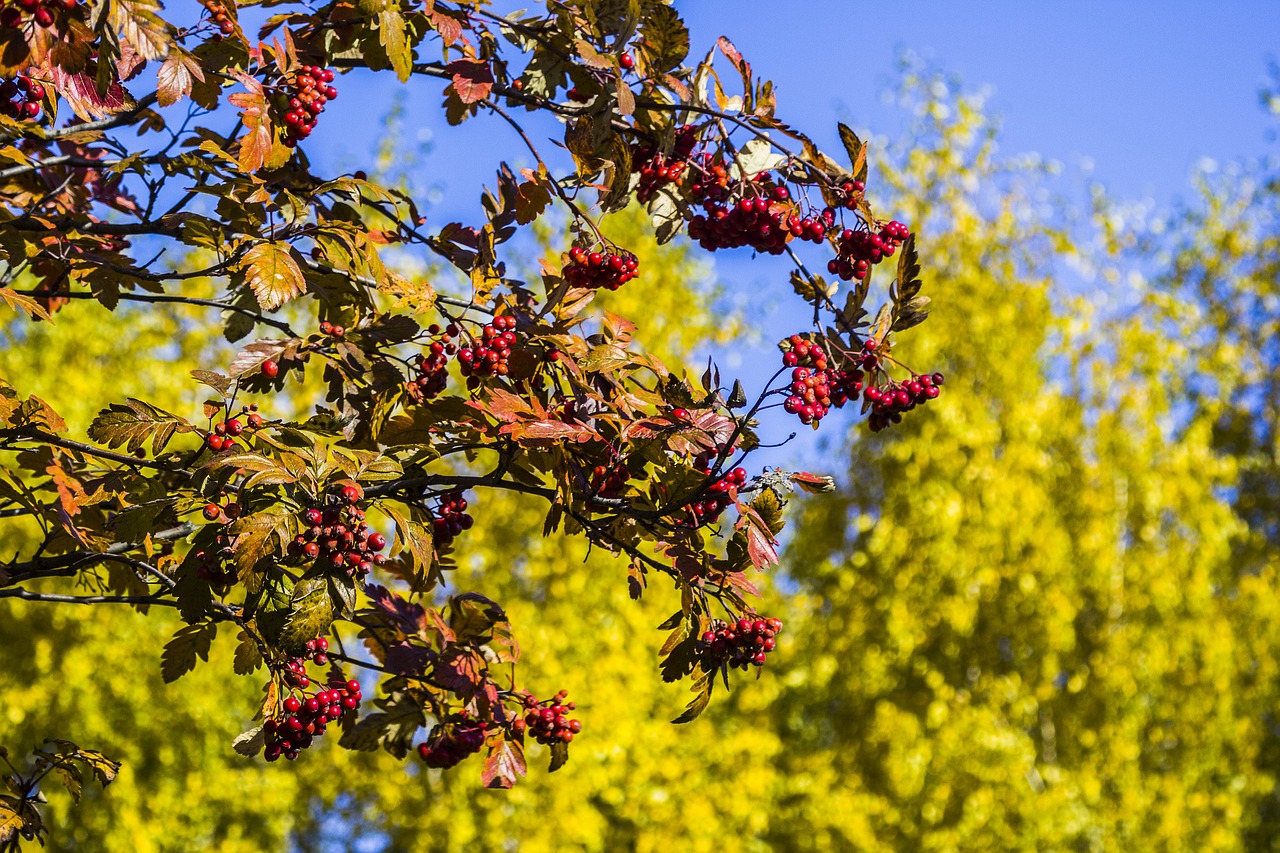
(176, 77)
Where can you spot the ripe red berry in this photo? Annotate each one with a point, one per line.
(270, 369)
(626, 61)
(211, 512)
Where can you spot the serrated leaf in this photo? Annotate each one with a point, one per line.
(176, 77)
(703, 687)
(664, 41)
(504, 765)
(273, 274)
(250, 743)
(133, 423)
(559, 756)
(248, 656)
(215, 380)
(21, 301)
(857, 150)
(394, 38)
(665, 215)
(138, 23)
(311, 613)
(472, 79)
(908, 282)
(192, 642)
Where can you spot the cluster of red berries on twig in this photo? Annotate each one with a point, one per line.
(610, 481)
(20, 97)
(657, 169)
(433, 365)
(740, 644)
(44, 12)
(223, 437)
(547, 722)
(218, 13)
(858, 251)
(451, 518)
(610, 269)
(453, 740)
(489, 355)
(755, 219)
(306, 718)
(708, 508)
(310, 89)
(337, 533)
(214, 564)
(810, 390)
(889, 400)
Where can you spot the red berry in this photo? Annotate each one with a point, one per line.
(270, 369)
(626, 61)
(212, 511)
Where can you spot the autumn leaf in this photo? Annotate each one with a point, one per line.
(273, 274)
(176, 77)
(472, 79)
(256, 144)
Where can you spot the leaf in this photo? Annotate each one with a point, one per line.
(559, 756)
(391, 729)
(666, 216)
(273, 274)
(664, 41)
(880, 328)
(17, 300)
(248, 656)
(138, 23)
(80, 89)
(857, 150)
(505, 763)
(215, 380)
(176, 77)
(703, 687)
(255, 145)
(908, 283)
(133, 423)
(756, 156)
(180, 653)
(472, 79)
(312, 611)
(814, 484)
(626, 98)
(250, 743)
(393, 35)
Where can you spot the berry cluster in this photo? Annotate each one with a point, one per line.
(546, 721)
(890, 399)
(215, 564)
(657, 169)
(611, 268)
(748, 641)
(810, 391)
(43, 12)
(453, 740)
(339, 534)
(451, 519)
(858, 251)
(433, 365)
(20, 97)
(221, 20)
(610, 481)
(755, 219)
(306, 97)
(332, 330)
(488, 356)
(305, 719)
(716, 499)
(223, 437)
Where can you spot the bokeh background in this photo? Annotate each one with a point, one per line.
(1042, 614)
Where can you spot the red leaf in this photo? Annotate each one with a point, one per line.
(80, 89)
(505, 762)
(472, 79)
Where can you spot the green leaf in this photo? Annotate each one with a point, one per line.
(180, 653)
(273, 274)
(133, 423)
(664, 41)
(311, 612)
(248, 656)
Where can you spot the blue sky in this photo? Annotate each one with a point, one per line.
(1132, 94)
